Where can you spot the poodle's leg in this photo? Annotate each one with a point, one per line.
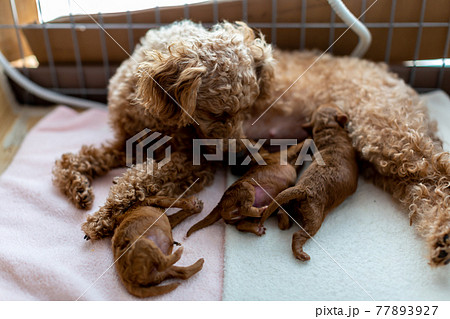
(139, 182)
(284, 221)
(428, 202)
(164, 262)
(193, 206)
(151, 291)
(184, 272)
(191, 203)
(73, 173)
(248, 210)
(251, 227)
(243, 199)
(312, 220)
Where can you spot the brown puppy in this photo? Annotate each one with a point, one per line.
(246, 198)
(143, 242)
(322, 187)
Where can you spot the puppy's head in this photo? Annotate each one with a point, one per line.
(326, 115)
(211, 79)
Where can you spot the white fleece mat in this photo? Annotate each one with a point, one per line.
(365, 249)
(42, 253)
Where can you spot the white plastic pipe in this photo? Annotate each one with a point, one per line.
(365, 38)
(44, 93)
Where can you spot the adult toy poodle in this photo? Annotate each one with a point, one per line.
(183, 81)
(222, 76)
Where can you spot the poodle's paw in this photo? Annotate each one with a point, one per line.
(96, 228)
(82, 194)
(260, 230)
(441, 251)
(197, 205)
(301, 255)
(284, 221)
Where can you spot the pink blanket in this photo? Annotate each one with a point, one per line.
(43, 255)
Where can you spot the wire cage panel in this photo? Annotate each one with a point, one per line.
(76, 56)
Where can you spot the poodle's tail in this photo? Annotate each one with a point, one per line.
(282, 198)
(150, 291)
(213, 217)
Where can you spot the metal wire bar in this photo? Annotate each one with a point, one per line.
(303, 26)
(412, 76)
(19, 43)
(444, 56)
(274, 23)
(48, 50)
(245, 11)
(130, 32)
(104, 50)
(215, 11)
(78, 91)
(16, 26)
(157, 18)
(76, 51)
(363, 9)
(284, 25)
(331, 35)
(186, 11)
(387, 53)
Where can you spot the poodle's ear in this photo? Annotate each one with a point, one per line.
(342, 119)
(168, 85)
(264, 63)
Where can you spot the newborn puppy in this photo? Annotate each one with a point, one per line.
(143, 242)
(245, 199)
(322, 187)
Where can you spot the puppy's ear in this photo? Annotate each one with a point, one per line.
(168, 85)
(342, 119)
(264, 63)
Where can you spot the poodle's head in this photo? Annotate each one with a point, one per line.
(209, 81)
(326, 115)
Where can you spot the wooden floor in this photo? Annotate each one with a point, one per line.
(15, 122)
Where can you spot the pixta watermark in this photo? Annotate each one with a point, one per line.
(148, 142)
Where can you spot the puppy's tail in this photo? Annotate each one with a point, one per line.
(213, 217)
(150, 291)
(282, 198)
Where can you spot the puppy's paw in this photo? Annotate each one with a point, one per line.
(284, 221)
(197, 205)
(178, 253)
(301, 255)
(440, 254)
(197, 266)
(260, 230)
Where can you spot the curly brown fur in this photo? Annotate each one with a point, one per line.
(388, 124)
(322, 187)
(214, 75)
(143, 242)
(246, 198)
